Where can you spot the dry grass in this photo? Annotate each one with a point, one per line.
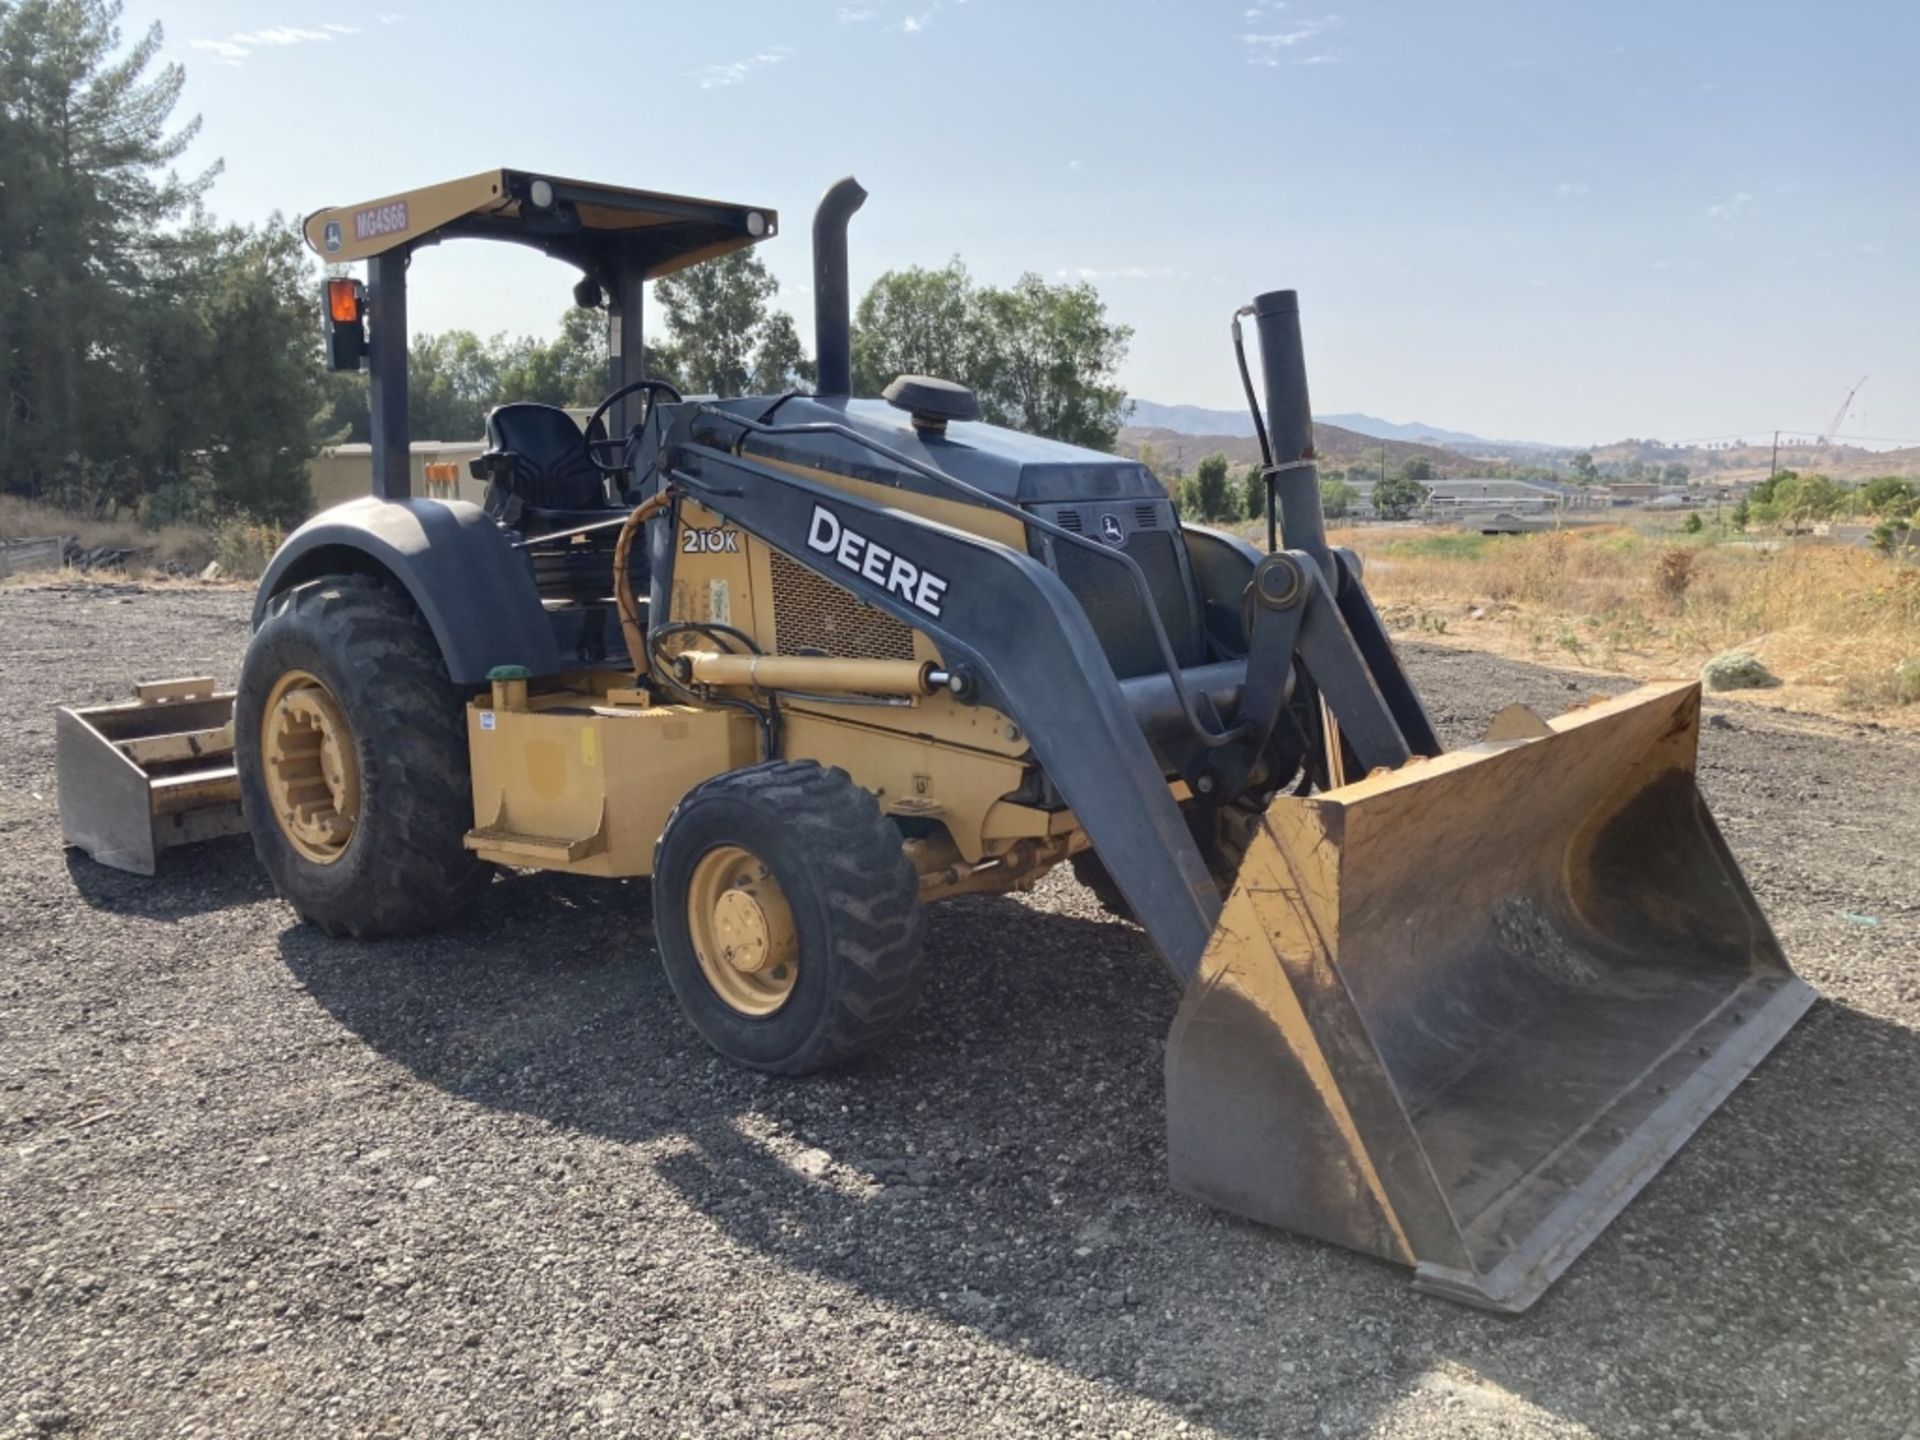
(241, 545)
(1839, 625)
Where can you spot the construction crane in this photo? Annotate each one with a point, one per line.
(1840, 416)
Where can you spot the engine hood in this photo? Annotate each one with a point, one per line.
(1009, 465)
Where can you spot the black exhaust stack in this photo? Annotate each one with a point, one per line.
(1296, 482)
(832, 304)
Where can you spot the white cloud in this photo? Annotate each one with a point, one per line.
(1119, 272)
(1077, 167)
(1536, 284)
(391, 17)
(1729, 208)
(235, 48)
(282, 35)
(854, 14)
(914, 24)
(1282, 46)
(1570, 189)
(735, 72)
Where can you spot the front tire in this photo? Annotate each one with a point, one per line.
(788, 916)
(351, 747)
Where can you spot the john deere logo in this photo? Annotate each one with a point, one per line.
(331, 236)
(1110, 530)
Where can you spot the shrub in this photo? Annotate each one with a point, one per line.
(243, 545)
(1896, 537)
(1672, 573)
(1337, 498)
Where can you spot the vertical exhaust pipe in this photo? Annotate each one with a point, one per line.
(1283, 366)
(832, 302)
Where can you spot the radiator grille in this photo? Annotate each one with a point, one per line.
(813, 614)
(1113, 605)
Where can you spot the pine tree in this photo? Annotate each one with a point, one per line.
(89, 190)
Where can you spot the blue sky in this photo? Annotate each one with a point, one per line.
(1538, 220)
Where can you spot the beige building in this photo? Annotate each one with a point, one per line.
(345, 472)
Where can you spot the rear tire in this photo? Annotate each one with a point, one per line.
(407, 793)
(835, 898)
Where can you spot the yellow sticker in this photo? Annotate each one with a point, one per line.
(589, 745)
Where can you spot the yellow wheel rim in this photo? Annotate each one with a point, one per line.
(311, 767)
(743, 931)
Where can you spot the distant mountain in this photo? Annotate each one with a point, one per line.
(1181, 451)
(1198, 420)
(1416, 431)
(1189, 419)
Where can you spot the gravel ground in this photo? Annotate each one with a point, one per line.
(253, 1181)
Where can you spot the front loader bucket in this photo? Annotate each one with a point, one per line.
(1456, 1015)
(147, 774)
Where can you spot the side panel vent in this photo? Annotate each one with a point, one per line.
(814, 614)
(1070, 520)
(1146, 517)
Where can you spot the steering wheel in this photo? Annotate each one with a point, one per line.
(653, 388)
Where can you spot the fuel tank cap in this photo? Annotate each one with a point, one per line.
(931, 402)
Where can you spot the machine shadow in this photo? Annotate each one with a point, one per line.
(1001, 1167)
(199, 880)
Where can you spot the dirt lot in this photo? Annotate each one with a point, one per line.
(253, 1181)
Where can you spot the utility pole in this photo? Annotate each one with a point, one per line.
(1774, 469)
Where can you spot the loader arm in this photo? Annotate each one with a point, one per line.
(1008, 622)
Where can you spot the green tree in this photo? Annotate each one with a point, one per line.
(1694, 524)
(453, 379)
(1253, 492)
(1764, 490)
(1892, 496)
(1041, 357)
(1675, 473)
(1051, 361)
(569, 371)
(918, 322)
(723, 336)
(780, 363)
(87, 196)
(1790, 498)
(1398, 496)
(1417, 467)
(243, 417)
(1742, 514)
(1583, 469)
(1209, 496)
(1337, 498)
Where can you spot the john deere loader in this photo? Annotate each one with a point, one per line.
(813, 663)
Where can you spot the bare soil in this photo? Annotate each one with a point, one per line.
(258, 1182)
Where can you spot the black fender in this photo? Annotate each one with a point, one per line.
(475, 590)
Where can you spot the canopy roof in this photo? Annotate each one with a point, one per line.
(593, 227)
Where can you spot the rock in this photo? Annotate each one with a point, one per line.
(212, 572)
(1736, 670)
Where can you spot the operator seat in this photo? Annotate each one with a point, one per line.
(539, 477)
